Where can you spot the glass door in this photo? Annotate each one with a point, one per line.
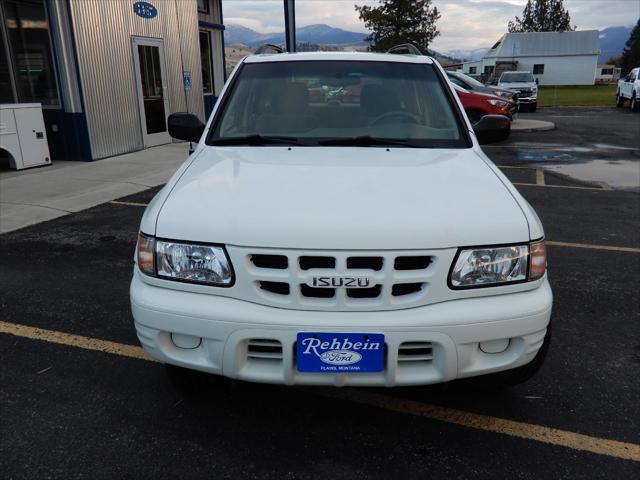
(148, 54)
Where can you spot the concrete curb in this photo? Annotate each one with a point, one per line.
(522, 125)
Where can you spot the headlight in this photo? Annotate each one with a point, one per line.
(207, 264)
(480, 267)
(498, 103)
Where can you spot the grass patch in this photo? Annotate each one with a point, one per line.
(577, 96)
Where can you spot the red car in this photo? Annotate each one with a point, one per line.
(477, 105)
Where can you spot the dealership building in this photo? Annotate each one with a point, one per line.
(554, 58)
(109, 73)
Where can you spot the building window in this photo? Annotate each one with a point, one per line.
(472, 70)
(205, 60)
(6, 89)
(607, 71)
(538, 69)
(488, 70)
(203, 6)
(29, 60)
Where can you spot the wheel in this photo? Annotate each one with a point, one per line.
(619, 100)
(635, 105)
(474, 116)
(533, 107)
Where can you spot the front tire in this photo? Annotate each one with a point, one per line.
(619, 100)
(533, 107)
(635, 105)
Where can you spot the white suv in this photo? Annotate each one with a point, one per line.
(314, 241)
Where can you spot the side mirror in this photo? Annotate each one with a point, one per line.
(185, 126)
(537, 82)
(492, 128)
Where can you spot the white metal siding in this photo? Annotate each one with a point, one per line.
(560, 70)
(468, 65)
(103, 32)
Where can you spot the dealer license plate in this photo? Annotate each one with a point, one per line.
(340, 352)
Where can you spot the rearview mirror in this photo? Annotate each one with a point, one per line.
(185, 126)
(492, 128)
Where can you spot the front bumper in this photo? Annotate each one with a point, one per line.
(527, 100)
(227, 327)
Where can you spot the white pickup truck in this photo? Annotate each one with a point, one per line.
(629, 89)
(525, 84)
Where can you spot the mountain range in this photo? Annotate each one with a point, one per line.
(320, 33)
(612, 40)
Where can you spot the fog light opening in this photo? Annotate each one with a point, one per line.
(494, 346)
(185, 341)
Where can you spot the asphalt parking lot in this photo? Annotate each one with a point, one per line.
(80, 400)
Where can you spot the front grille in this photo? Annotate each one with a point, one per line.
(278, 262)
(525, 92)
(313, 292)
(412, 263)
(372, 263)
(279, 288)
(400, 289)
(372, 292)
(374, 281)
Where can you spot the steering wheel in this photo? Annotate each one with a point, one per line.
(385, 117)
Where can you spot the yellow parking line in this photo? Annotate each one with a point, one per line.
(130, 204)
(540, 176)
(528, 431)
(611, 248)
(72, 340)
(515, 166)
(562, 186)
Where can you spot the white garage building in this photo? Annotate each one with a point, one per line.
(554, 58)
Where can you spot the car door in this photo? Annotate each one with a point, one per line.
(627, 86)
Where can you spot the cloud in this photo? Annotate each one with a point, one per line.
(464, 24)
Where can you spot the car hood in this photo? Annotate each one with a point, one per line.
(529, 85)
(341, 198)
(497, 90)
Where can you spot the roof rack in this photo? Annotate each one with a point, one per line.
(269, 48)
(404, 48)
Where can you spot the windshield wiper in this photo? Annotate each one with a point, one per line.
(366, 141)
(256, 140)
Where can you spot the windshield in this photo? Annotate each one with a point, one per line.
(311, 102)
(521, 77)
(469, 80)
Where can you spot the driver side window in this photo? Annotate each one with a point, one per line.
(456, 81)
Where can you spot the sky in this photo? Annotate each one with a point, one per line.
(464, 24)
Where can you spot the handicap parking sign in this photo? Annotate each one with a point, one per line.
(186, 78)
